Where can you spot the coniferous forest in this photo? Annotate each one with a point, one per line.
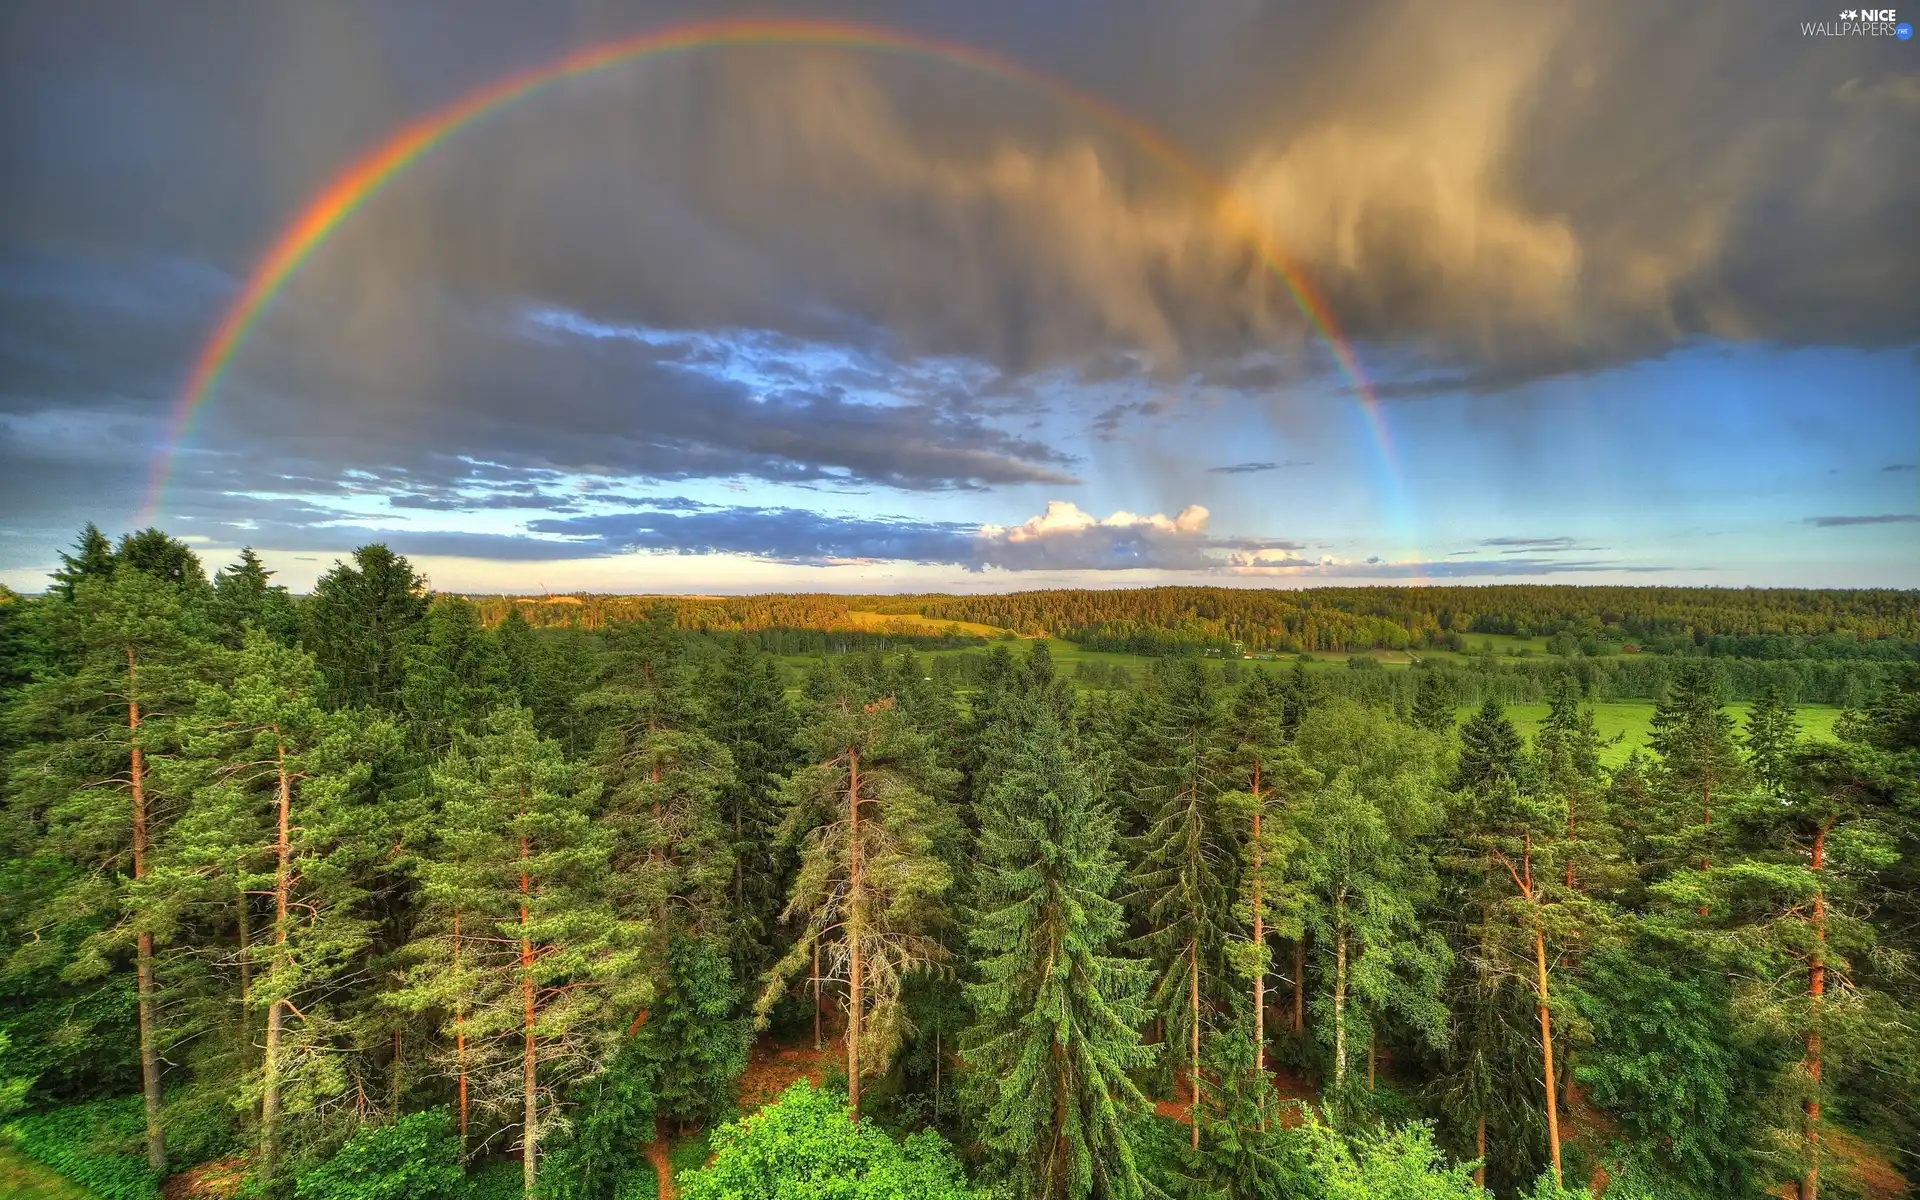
(382, 894)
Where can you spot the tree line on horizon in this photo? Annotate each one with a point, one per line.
(367, 892)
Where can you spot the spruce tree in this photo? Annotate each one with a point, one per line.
(752, 721)
(871, 890)
(1491, 751)
(1186, 861)
(1432, 705)
(1772, 730)
(93, 558)
(359, 623)
(1059, 1011)
(1700, 768)
(244, 594)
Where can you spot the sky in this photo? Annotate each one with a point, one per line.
(1633, 292)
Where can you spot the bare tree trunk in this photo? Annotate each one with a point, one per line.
(856, 907)
(143, 953)
(529, 1077)
(1371, 1058)
(396, 1070)
(1816, 989)
(1546, 1049)
(818, 1044)
(1480, 1149)
(282, 886)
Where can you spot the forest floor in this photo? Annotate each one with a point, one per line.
(23, 1179)
(208, 1181)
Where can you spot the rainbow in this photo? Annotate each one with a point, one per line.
(354, 186)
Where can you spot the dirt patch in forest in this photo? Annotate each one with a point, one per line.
(208, 1181)
(773, 1066)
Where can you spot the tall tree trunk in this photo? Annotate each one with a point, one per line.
(460, 1036)
(396, 1071)
(1816, 989)
(1546, 1049)
(818, 1044)
(1480, 1149)
(282, 886)
(1371, 1058)
(856, 912)
(1300, 984)
(1193, 999)
(243, 938)
(529, 1080)
(143, 952)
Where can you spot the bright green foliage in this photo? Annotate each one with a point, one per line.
(1666, 1059)
(694, 1045)
(1361, 866)
(600, 1155)
(1403, 1164)
(97, 1144)
(805, 1147)
(360, 622)
(415, 1158)
(1059, 1014)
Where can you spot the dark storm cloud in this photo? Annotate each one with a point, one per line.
(1484, 193)
(1880, 519)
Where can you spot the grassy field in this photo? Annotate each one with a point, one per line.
(1623, 724)
(21, 1179)
(914, 623)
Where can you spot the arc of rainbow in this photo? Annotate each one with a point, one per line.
(363, 178)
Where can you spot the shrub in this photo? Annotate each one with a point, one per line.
(415, 1158)
(100, 1145)
(804, 1147)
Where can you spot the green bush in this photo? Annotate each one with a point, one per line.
(415, 1158)
(100, 1145)
(804, 1147)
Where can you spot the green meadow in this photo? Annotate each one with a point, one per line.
(21, 1179)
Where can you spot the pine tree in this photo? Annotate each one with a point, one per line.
(281, 801)
(1186, 861)
(524, 955)
(1772, 730)
(127, 639)
(1782, 913)
(1432, 706)
(870, 889)
(1268, 777)
(1059, 1012)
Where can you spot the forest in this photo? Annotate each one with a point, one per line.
(379, 893)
